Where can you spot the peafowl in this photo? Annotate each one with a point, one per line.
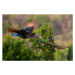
(27, 33)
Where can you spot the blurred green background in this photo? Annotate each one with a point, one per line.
(59, 27)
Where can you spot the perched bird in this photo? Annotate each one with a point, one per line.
(25, 33)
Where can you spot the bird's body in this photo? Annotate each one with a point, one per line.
(27, 33)
(24, 33)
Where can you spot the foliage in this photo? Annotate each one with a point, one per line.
(47, 51)
(40, 19)
(16, 50)
(61, 55)
(66, 54)
(29, 20)
(6, 27)
(70, 53)
(47, 25)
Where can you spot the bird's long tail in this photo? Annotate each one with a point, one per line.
(53, 45)
(12, 30)
(49, 44)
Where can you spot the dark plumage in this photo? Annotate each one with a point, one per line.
(24, 33)
(27, 33)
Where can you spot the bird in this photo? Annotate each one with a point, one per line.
(28, 33)
(25, 33)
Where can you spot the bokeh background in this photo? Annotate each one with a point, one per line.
(15, 48)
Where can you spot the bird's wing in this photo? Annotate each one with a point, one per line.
(29, 29)
(36, 35)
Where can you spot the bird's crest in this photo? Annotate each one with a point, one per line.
(30, 24)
